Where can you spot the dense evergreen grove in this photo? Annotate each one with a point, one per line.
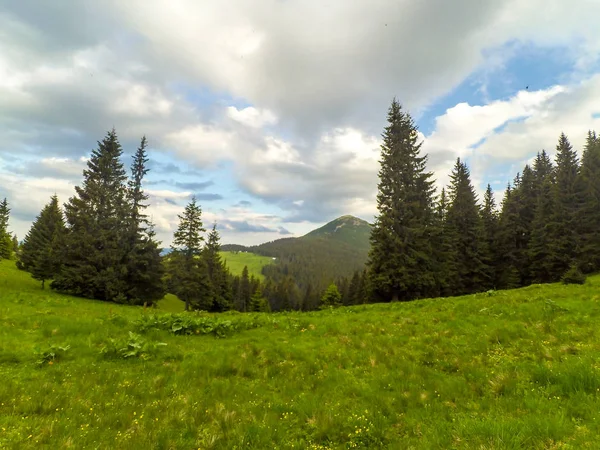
(102, 245)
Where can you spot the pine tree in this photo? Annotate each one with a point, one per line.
(507, 274)
(188, 269)
(541, 248)
(217, 272)
(40, 253)
(542, 169)
(244, 293)
(469, 255)
(524, 198)
(589, 215)
(490, 219)
(400, 260)
(332, 298)
(145, 270)
(444, 267)
(5, 242)
(354, 289)
(94, 257)
(15, 244)
(258, 303)
(567, 203)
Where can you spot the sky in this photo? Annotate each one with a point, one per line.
(271, 112)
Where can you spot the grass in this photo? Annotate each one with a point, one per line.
(502, 370)
(237, 260)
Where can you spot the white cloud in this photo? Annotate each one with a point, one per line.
(252, 117)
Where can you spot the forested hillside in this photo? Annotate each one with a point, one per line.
(314, 260)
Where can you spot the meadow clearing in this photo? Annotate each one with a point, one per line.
(499, 370)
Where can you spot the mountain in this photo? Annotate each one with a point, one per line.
(335, 250)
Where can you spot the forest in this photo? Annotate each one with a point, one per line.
(101, 245)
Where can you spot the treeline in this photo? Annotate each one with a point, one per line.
(428, 245)
(103, 246)
(423, 244)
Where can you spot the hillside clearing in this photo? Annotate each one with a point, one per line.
(236, 261)
(502, 370)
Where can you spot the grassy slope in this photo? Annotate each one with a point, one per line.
(237, 261)
(516, 369)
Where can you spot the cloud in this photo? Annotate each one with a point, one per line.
(252, 117)
(208, 197)
(290, 95)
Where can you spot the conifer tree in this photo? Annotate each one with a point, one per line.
(589, 215)
(244, 294)
(469, 255)
(5, 242)
(258, 302)
(94, 254)
(332, 297)
(188, 268)
(40, 253)
(400, 260)
(507, 273)
(145, 270)
(489, 217)
(15, 244)
(541, 248)
(542, 169)
(217, 272)
(444, 267)
(567, 203)
(354, 290)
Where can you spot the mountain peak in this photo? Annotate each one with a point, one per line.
(345, 228)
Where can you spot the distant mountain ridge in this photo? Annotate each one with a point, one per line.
(335, 250)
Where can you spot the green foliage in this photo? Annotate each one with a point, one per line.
(5, 239)
(589, 214)
(331, 297)
(95, 246)
(400, 261)
(469, 256)
(40, 254)
(188, 272)
(574, 275)
(134, 346)
(259, 303)
(144, 268)
(51, 354)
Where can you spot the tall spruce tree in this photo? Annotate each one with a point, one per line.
(490, 219)
(470, 258)
(567, 203)
(442, 249)
(94, 254)
(589, 214)
(145, 270)
(217, 272)
(525, 196)
(507, 273)
(41, 249)
(542, 248)
(188, 269)
(5, 241)
(245, 291)
(400, 260)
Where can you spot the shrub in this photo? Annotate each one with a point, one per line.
(573, 276)
(132, 347)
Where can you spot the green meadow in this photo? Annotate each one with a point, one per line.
(236, 261)
(501, 370)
